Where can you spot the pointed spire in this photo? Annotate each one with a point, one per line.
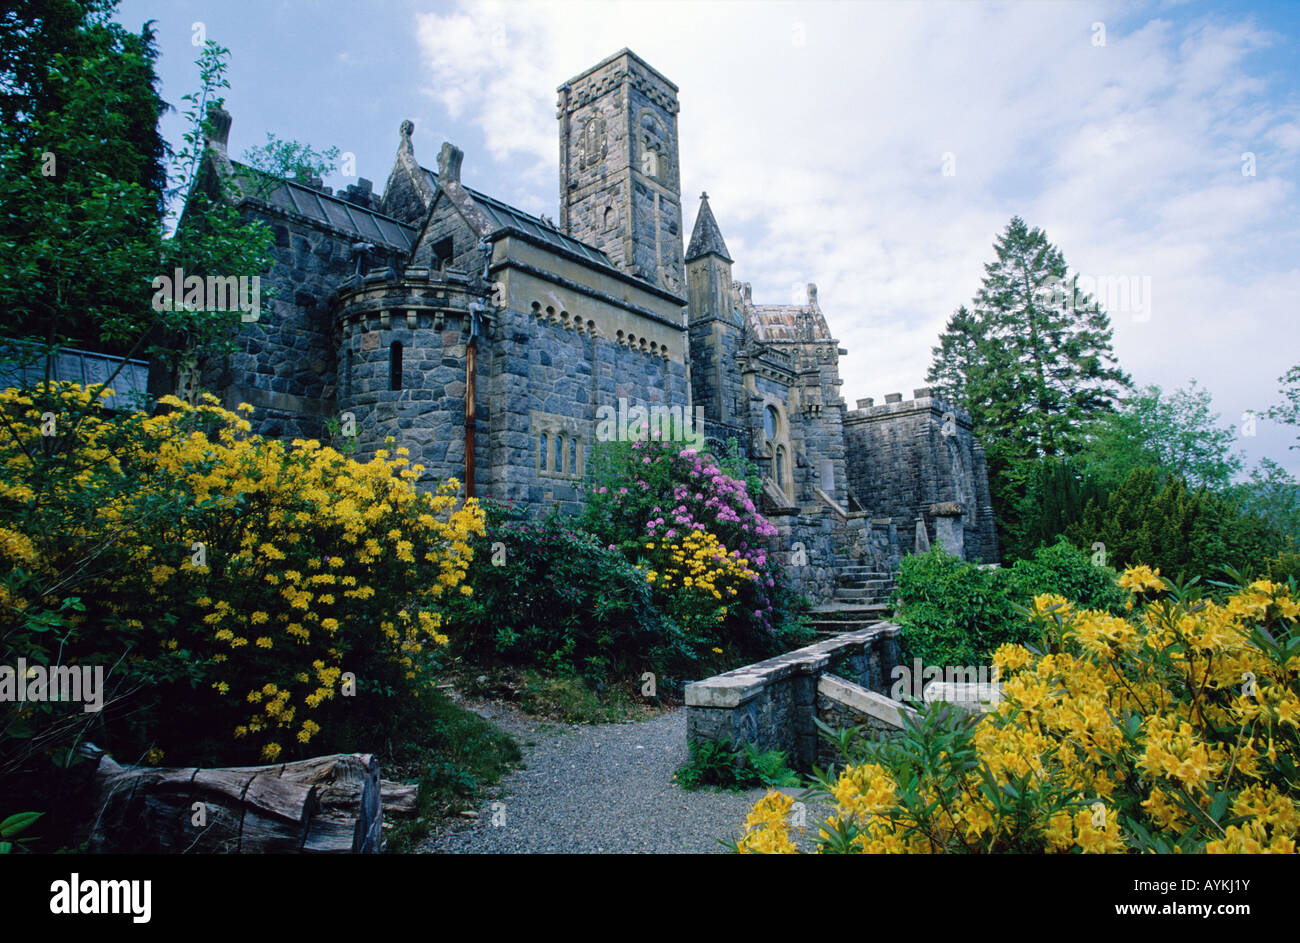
(706, 237)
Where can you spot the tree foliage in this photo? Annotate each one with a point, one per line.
(1176, 432)
(1031, 360)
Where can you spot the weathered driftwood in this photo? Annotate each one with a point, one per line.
(329, 804)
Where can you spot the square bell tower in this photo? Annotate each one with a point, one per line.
(620, 184)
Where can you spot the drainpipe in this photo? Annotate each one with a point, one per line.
(475, 309)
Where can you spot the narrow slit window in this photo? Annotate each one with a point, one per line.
(395, 366)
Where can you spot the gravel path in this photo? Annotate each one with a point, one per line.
(604, 788)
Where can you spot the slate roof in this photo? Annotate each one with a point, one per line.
(367, 225)
(508, 217)
(706, 237)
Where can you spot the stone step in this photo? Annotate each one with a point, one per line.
(843, 592)
(862, 572)
(840, 610)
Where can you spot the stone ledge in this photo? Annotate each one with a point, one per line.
(736, 687)
(967, 696)
(862, 701)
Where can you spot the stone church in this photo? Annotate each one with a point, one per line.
(485, 339)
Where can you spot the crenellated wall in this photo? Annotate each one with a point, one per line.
(919, 459)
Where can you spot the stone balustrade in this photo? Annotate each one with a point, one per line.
(772, 704)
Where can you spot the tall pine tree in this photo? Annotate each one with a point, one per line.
(1031, 360)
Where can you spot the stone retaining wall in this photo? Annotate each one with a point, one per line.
(772, 703)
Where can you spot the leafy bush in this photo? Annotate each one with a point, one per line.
(689, 521)
(951, 612)
(957, 613)
(1157, 521)
(1171, 730)
(549, 595)
(727, 767)
(1064, 569)
(225, 582)
(1284, 567)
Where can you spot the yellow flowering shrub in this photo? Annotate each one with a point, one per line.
(695, 577)
(1171, 730)
(243, 595)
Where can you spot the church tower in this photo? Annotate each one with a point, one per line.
(620, 185)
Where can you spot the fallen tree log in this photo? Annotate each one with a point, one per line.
(399, 799)
(328, 804)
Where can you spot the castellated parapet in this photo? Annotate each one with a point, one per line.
(919, 459)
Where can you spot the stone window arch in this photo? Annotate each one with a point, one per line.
(776, 440)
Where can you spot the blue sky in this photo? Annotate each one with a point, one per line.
(821, 132)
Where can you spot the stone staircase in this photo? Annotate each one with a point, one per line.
(861, 600)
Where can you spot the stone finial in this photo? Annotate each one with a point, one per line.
(218, 131)
(406, 129)
(812, 294)
(449, 159)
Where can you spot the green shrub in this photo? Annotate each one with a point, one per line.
(714, 763)
(956, 613)
(548, 595)
(952, 612)
(1284, 567)
(1064, 569)
(1159, 521)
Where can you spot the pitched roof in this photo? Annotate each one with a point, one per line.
(365, 224)
(788, 324)
(505, 216)
(706, 237)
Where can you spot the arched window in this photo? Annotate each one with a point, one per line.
(542, 458)
(611, 218)
(395, 366)
(771, 422)
(780, 466)
(573, 457)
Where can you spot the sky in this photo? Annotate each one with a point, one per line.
(876, 149)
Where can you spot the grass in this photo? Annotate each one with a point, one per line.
(562, 698)
(457, 757)
(569, 699)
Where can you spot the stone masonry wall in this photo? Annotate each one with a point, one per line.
(549, 377)
(284, 364)
(907, 457)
